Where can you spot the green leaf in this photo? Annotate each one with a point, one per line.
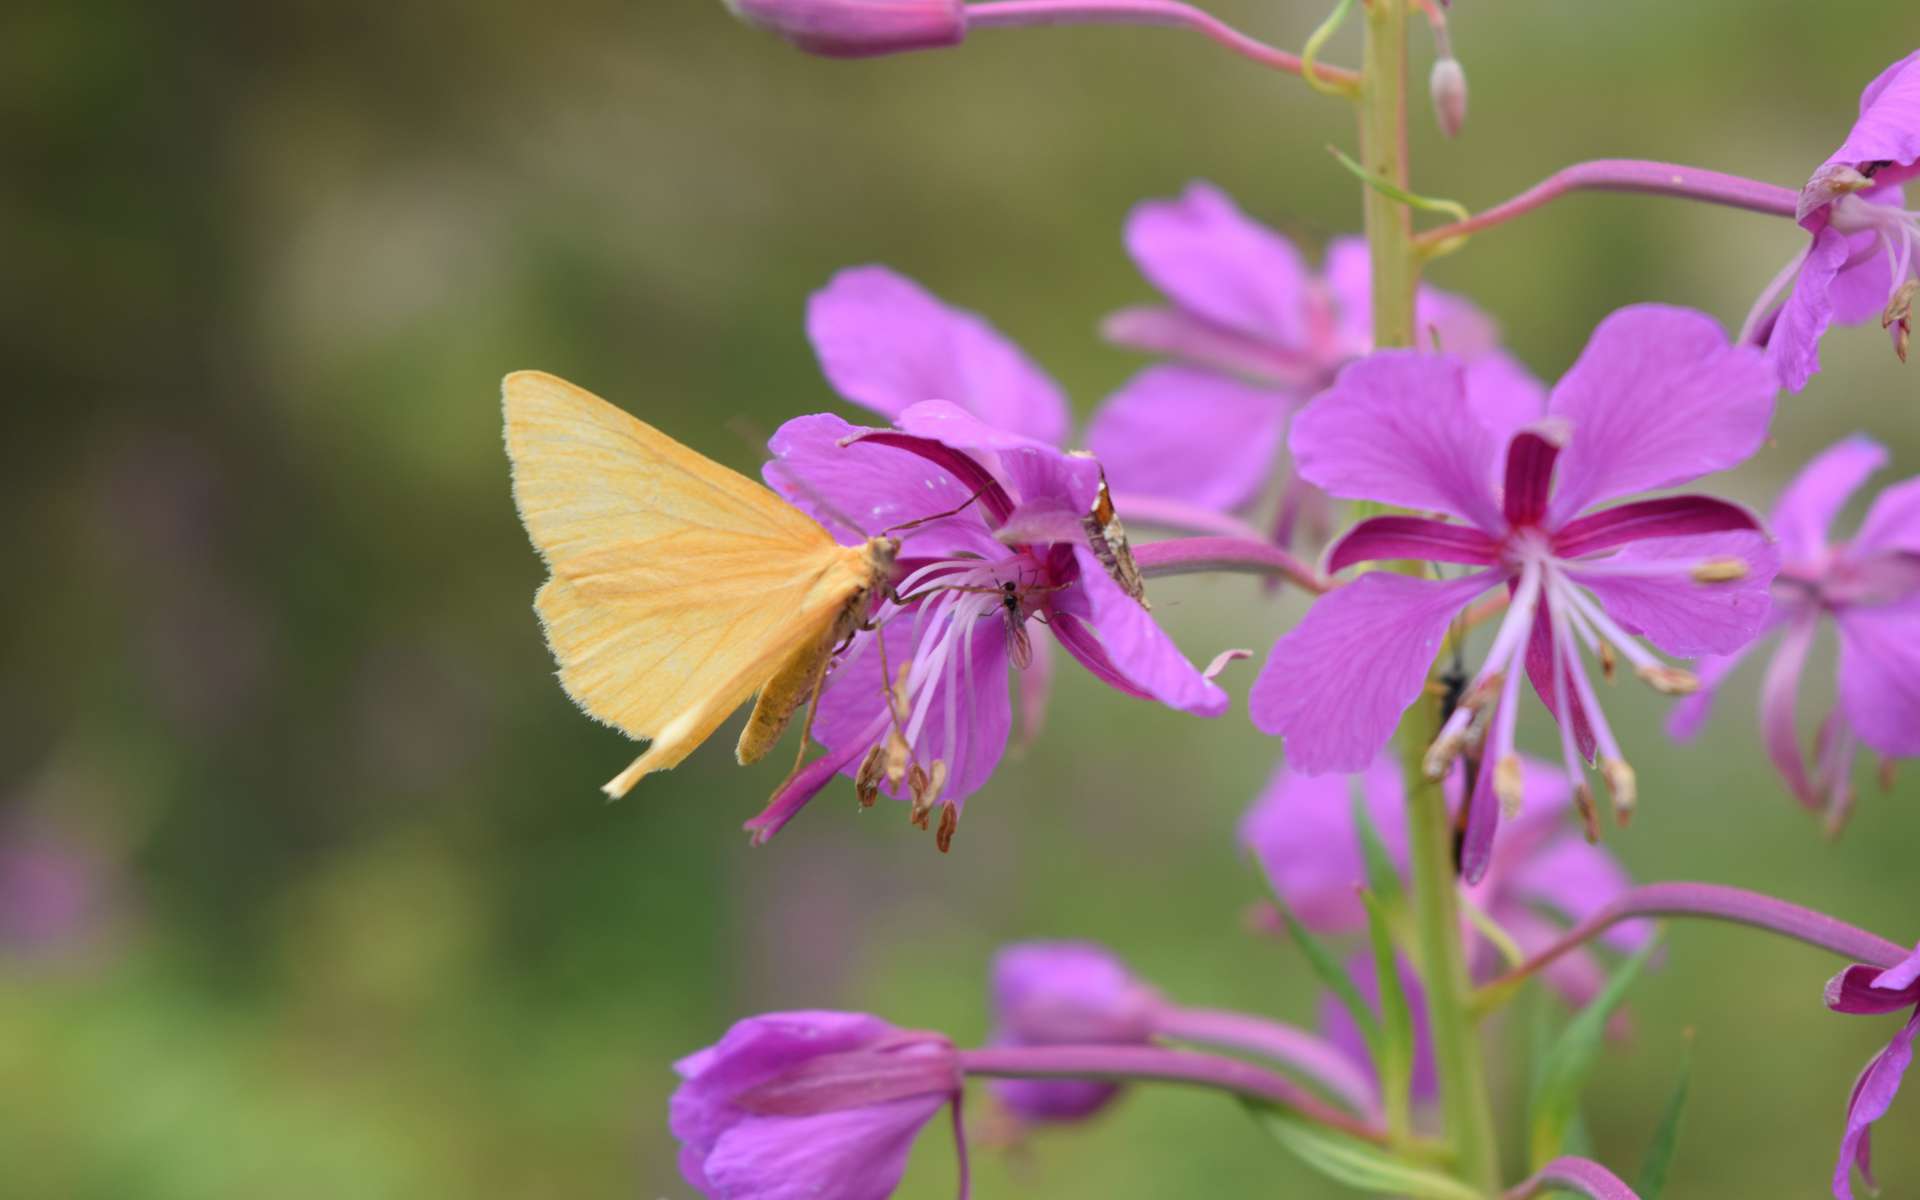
(1394, 1055)
(1356, 1163)
(1383, 878)
(1564, 1071)
(1330, 972)
(1452, 208)
(1653, 1171)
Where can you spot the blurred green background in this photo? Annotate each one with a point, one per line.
(341, 912)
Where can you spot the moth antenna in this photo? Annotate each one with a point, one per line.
(952, 512)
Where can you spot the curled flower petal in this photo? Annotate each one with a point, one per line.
(1888, 130)
(1136, 645)
(1872, 1096)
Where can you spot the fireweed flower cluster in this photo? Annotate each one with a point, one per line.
(1252, 333)
(1658, 398)
(1861, 261)
(1869, 588)
(1521, 510)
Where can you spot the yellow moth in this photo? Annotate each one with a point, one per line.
(677, 588)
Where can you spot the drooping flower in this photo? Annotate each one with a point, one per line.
(1869, 587)
(800, 1104)
(858, 28)
(995, 539)
(1065, 993)
(1542, 876)
(1081, 994)
(1872, 991)
(1861, 261)
(1251, 332)
(1657, 398)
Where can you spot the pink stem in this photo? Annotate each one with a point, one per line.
(1628, 175)
(1312, 1056)
(1725, 904)
(1187, 556)
(1017, 13)
(1153, 1064)
(1582, 1175)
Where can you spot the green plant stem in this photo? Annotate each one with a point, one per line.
(1389, 226)
(1383, 152)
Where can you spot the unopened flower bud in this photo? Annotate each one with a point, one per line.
(858, 28)
(1448, 86)
(1507, 776)
(1622, 783)
(1719, 570)
(1670, 681)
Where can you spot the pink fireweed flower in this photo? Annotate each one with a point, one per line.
(800, 1104)
(1861, 261)
(1251, 331)
(858, 28)
(1081, 994)
(1871, 991)
(1540, 878)
(1065, 993)
(1870, 588)
(1657, 398)
(993, 527)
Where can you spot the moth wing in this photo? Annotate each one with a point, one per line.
(678, 586)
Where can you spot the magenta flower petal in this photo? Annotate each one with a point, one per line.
(1793, 347)
(859, 1151)
(1395, 428)
(1859, 991)
(1779, 724)
(1880, 674)
(1381, 538)
(1902, 975)
(1337, 1023)
(1577, 880)
(1189, 435)
(1301, 832)
(1504, 395)
(1672, 611)
(1872, 1096)
(1888, 130)
(1669, 516)
(1893, 523)
(852, 489)
(1136, 645)
(1336, 685)
(1034, 470)
(1658, 398)
(1806, 509)
(886, 343)
(1204, 253)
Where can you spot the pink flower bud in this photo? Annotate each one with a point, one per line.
(1448, 84)
(858, 28)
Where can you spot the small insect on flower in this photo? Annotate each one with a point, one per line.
(678, 588)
